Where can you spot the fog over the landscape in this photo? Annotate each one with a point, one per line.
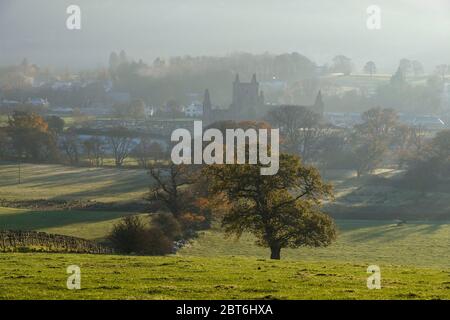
(211, 152)
(319, 29)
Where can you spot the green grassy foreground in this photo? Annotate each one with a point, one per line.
(43, 276)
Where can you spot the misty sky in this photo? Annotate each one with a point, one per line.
(319, 29)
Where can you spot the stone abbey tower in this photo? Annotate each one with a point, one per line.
(246, 98)
(247, 103)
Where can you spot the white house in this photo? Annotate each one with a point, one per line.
(149, 111)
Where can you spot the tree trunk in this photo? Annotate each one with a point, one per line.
(275, 252)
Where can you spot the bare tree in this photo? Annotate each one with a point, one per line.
(417, 68)
(4, 144)
(342, 64)
(168, 187)
(370, 139)
(405, 65)
(370, 68)
(442, 70)
(301, 128)
(409, 141)
(121, 143)
(93, 148)
(70, 144)
(366, 154)
(418, 137)
(146, 151)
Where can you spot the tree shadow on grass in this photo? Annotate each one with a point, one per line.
(391, 233)
(35, 220)
(118, 188)
(435, 227)
(66, 182)
(85, 186)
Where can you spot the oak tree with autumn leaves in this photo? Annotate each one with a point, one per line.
(31, 137)
(282, 210)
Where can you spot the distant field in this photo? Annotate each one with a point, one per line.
(58, 182)
(360, 80)
(378, 197)
(43, 276)
(372, 197)
(3, 120)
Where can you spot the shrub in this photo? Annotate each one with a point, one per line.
(157, 243)
(130, 235)
(422, 175)
(167, 223)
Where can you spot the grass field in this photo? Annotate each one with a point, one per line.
(370, 242)
(380, 196)
(58, 182)
(92, 225)
(422, 243)
(355, 198)
(3, 120)
(43, 276)
(414, 257)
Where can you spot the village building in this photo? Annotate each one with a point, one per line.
(247, 103)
